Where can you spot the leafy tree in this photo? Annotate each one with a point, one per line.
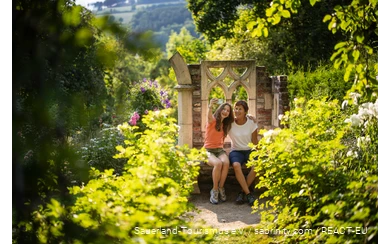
(356, 54)
(60, 55)
(302, 40)
(192, 49)
(216, 18)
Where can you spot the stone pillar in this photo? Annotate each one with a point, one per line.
(184, 88)
(185, 114)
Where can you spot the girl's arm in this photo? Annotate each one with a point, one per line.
(210, 116)
(251, 117)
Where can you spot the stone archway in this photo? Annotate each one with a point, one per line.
(267, 96)
(247, 79)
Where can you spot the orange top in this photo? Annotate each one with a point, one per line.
(213, 138)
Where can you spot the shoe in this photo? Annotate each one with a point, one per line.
(214, 196)
(251, 199)
(240, 198)
(222, 194)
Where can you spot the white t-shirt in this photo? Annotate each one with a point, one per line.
(241, 135)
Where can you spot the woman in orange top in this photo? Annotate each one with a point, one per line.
(217, 128)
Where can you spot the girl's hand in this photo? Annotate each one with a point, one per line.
(213, 101)
(251, 117)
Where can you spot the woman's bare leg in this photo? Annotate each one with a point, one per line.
(240, 177)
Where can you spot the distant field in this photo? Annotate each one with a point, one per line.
(126, 12)
(141, 6)
(125, 16)
(119, 9)
(127, 9)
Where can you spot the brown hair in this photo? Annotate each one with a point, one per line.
(243, 104)
(227, 122)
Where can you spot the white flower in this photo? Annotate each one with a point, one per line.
(280, 116)
(271, 134)
(354, 120)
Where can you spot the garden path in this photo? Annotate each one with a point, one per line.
(225, 215)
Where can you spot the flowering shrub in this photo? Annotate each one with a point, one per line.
(98, 152)
(321, 174)
(144, 97)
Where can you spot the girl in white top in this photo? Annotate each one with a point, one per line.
(243, 131)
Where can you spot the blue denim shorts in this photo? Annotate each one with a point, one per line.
(241, 156)
(215, 151)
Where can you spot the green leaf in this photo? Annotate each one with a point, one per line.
(276, 20)
(250, 25)
(312, 2)
(269, 12)
(265, 32)
(360, 39)
(339, 45)
(286, 14)
(327, 18)
(356, 54)
(256, 32)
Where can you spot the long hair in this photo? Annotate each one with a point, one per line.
(227, 122)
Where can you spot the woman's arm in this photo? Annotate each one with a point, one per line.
(254, 137)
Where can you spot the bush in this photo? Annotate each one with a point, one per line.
(317, 177)
(325, 81)
(151, 194)
(99, 151)
(146, 96)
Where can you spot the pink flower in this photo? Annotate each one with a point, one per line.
(134, 118)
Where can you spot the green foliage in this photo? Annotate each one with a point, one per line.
(191, 49)
(324, 81)
(216, 18)
(145, 97)
(300, 40)
(150, 195)
(140, 99)
(358, 21)
(61, 54)
(321, 173)
(99, 151)
(355, 55)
